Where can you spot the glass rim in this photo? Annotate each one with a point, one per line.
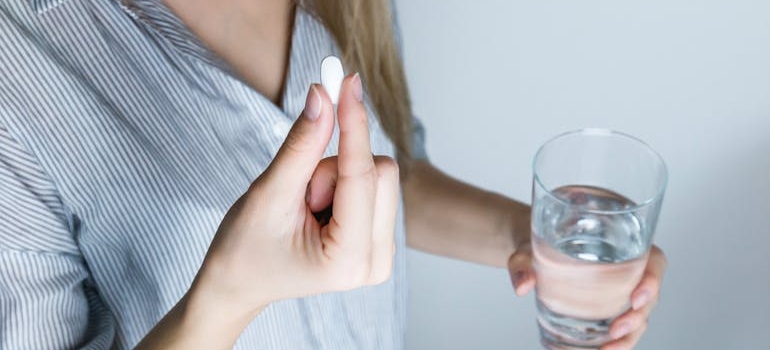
(604, 132)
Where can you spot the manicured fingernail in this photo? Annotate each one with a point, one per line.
(312, 104)
(358, 89)
(621, 330)
(640, 300)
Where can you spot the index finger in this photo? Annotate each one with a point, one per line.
(354, 196)
(355, 152)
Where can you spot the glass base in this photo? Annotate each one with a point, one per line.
(561, 332)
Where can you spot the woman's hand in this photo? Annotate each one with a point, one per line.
(627, 329)
(271, 245)
(306, 225)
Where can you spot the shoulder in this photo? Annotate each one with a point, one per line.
(27, 59)
(38, 78)
(41, 38)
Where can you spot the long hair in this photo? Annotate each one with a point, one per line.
(364, 32)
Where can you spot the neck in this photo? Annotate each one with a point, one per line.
(252, 36)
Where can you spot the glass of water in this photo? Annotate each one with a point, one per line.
(595, 202)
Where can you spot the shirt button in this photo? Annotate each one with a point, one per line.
(281, 129)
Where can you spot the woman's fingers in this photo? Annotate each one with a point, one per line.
(355, 153)
(628, 323)
(520, 269)
(320, 191)
(363, 194)
(384, 223)
(354, 196)
(631, 321)
(648, 288)
(299, 154)
(628, 342)
(628, 328)
(320, 197)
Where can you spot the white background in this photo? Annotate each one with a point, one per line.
(492, 80)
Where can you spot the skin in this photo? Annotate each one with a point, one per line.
(355, 247)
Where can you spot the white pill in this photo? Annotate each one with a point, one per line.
(331, 77)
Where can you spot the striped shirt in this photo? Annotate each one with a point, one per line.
(123, 142)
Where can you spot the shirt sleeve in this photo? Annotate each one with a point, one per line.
(46, 298)
(418, 130)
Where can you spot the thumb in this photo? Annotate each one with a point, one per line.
(305, 143)
(520, 268)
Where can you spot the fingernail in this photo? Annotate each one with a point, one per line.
(621, 330)
(640, 300)
(358, 89)
(312, 104)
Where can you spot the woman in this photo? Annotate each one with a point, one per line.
(129, 132)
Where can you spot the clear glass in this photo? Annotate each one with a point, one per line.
(596, 196)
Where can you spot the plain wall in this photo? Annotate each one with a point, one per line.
(492, 80)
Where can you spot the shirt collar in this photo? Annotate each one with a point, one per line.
(41, 6)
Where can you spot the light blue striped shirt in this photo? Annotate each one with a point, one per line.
(123, 141)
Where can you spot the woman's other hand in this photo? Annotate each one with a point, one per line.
(626, 329)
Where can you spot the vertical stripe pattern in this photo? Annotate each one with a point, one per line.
(123, 142)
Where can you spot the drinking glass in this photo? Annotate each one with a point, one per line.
(596, 197)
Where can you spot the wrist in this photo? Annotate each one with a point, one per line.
(220, 298)
(205, 310)
(197, 321)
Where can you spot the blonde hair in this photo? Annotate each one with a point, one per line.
(364, 32)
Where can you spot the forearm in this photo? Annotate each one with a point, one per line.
(447, 217)
(198, 321)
